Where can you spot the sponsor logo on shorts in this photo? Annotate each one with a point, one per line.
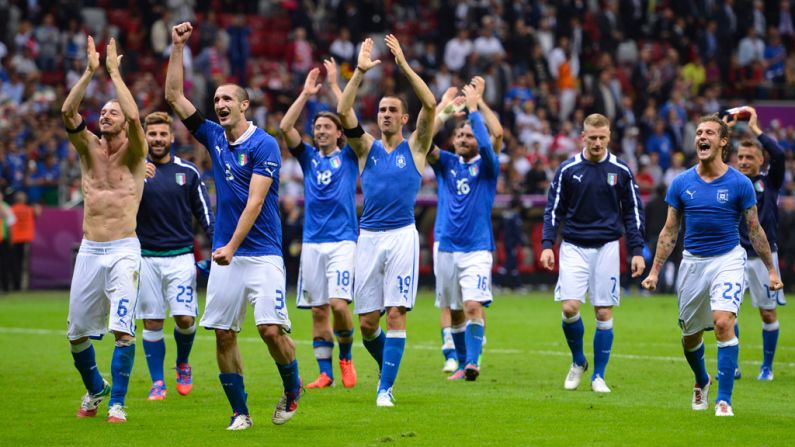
(612, 179)
(723, 195)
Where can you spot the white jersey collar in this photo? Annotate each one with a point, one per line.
(246, 135)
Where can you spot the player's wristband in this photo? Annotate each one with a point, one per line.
(356, 132)
(449, 111)
(194, 121)
(80, 127)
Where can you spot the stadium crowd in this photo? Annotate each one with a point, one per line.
(650, 67)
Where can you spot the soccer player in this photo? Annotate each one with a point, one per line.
(593, 195)
(467, 186)
(751, 159)
(711, 197)
(104, 288)
(247, 257)
(387, 252)
(172, 195)
(325, 282)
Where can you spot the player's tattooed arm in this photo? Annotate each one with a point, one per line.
(665, 246)
(762, 247)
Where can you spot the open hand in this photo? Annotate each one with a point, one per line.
(112, 59)
(311, 86)
(365, 61)
(394, 46)
(92, 55)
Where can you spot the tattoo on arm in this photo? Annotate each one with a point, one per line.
(758, 237)
(668, 237)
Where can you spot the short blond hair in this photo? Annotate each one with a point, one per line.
(596, 120)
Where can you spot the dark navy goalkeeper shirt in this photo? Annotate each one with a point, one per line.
(767, 186)
(594, 203)
(170, 201)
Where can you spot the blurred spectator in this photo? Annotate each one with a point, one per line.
(7, 219)
(458, 50)
(22, 234)
(240, 49)
(342, 49)
(299, 55)
(751, 48)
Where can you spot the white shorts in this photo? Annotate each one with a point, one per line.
(259, 280)
(326, 272)
(756, 279)
(168, 282)
(593, 270)
(104, 289)
(463, 277)
(386, 269)
(707, 284)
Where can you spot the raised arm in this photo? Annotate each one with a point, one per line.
(420, 139)
(175, 94)
(492, 121)
(777, 168)
(446, 108)
(135, 132)
(491, 166)
(79, 136)
(359, 140)
(762, 247)
(287, 126)
(331, 79)
(665, 246)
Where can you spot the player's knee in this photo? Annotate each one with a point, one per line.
(768, 315)
(368, 327)
(723, 325)
(153, 325)
(78, 341)
(270, 333)
(184, 321)
(225, 339)
(604, 313)
(338, 306)
(571, 308)
(457, 317)
(320, 313)
(473, 309)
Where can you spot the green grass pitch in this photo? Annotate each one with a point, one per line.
(518, 399)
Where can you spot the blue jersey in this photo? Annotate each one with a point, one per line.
(170, 200)
(329, 193)
(255, 152)
(711, 211)
(767, 186)
(595, 202)
(390, 183)
(469, 189)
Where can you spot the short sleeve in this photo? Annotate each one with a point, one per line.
(747, 193)
(674, 194)
(206, 133)
(267, 158)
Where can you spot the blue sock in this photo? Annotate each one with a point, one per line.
(86, 364)
(448, 345)
(345, 347)
(235, 391)
(602, 345)
(393, 352)
(290, 378)
(728, 352)
(695, 359)
(323, 349)
(120, 368)
(184, 339)
(769, 342)
(574, 329)
(155, 353)
(375, 346)
(459, 339)
(473, 337)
